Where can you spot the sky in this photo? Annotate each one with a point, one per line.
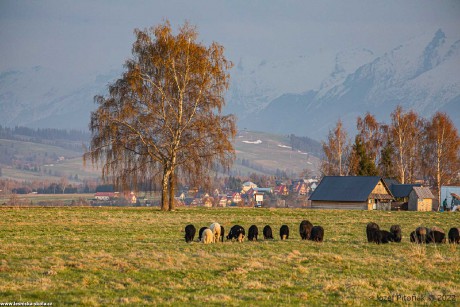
(89, 37)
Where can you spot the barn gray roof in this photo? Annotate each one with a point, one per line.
(423, 192)
(402, 190)
(345, 188)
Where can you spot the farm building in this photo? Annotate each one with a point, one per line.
(248, 185)
(104, 195)
(421, 199)
(352, 192)
(402, 191)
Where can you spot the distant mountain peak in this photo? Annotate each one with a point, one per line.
(421, 74)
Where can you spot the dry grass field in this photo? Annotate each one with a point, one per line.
(138, 256)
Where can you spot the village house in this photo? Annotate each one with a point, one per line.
(130, 197)
(352, 192)
(104, 196)
(299, 188)
(236, 198)
(281, 190)
(223, 201)
(208, 201)
(248, 185)
(420, 199)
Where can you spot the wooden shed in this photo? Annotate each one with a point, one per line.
(352, 192)
(420, 199)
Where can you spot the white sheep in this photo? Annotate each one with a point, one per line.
(215, 228)
(207, 236)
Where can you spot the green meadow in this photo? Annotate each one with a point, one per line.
(138, 256)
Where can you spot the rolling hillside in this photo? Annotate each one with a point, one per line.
(257, 152)
(268, 152)
(37, 161)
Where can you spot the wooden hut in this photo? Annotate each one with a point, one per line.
(420, 199)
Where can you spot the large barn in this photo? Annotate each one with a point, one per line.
(352, 192)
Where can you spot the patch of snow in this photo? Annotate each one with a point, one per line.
(253, 142)
(284, 146)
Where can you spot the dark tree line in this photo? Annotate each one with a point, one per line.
(306, 144)
(68, 139)
(18, 133)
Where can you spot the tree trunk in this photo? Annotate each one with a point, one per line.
(171, 183)
(164, 189)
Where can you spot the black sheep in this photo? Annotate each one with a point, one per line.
(317, 234)
(284, 232)
(413, 237)
(421, 234)
(236, 232)
(454, 235)
(190, 231)
(386, 236)
(253, 232)
(305, 229)
(267, 232)
(373, 233)
(396, 231)
(222, 233)
(436, 235)
(200, 233)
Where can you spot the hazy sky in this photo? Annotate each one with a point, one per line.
(95, 36)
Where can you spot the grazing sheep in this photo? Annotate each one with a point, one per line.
(413, 237)
(267, 232)
(190, 231)
(208, 236)
(222, 233)
(317, 234)
(386, 236)
(373, 233)
(236, 232)
(305, 229)
(454, 235)
(200, 233)
(284, 232)
(215, 228)
(436, 235)
(253, 232)
(396, 231)
(421, 234)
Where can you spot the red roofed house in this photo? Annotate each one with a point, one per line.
(281, 190)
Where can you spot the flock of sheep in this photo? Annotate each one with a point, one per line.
(216, 233)
(420, 235)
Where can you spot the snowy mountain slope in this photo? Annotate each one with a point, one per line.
(43, 97)
(282, 96)
(255, 83)
(420, 75)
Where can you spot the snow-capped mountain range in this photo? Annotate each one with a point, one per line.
(422, 75)
(305, 95)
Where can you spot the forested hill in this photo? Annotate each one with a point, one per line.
(306, 144)
(70, 139)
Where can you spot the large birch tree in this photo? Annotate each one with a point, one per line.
(406, 131)
(441, 151)
(163, 118)
(336, 151)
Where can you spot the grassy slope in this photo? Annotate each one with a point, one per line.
(71, 166)
(269, 155)
(107, 256)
